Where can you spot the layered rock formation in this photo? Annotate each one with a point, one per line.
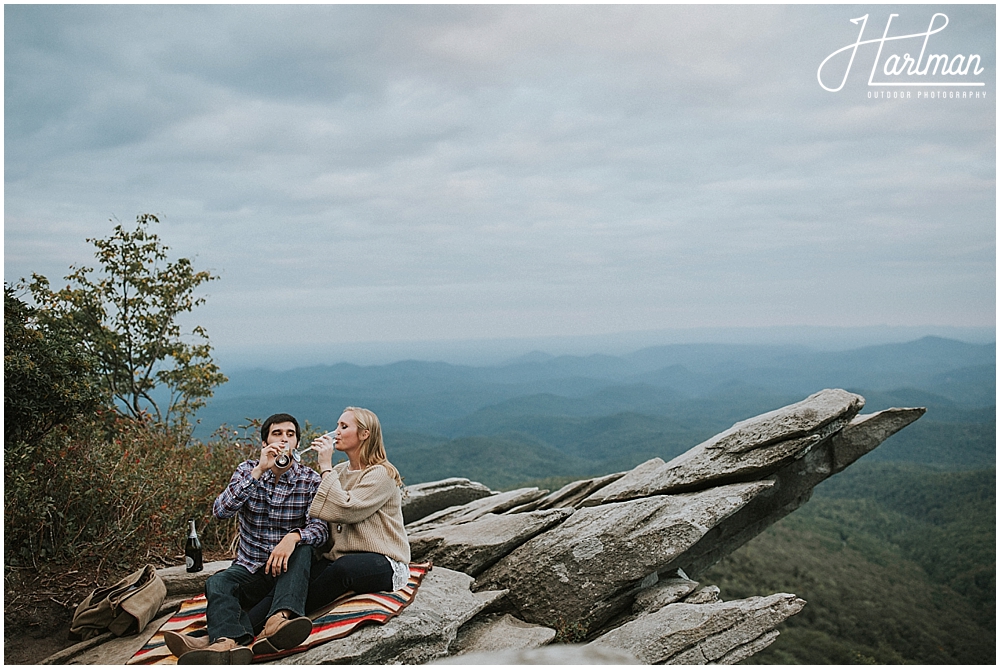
(610, 564)
(616, 569)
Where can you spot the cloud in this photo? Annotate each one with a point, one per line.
(442, 171)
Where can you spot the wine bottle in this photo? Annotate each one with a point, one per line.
(192, 550)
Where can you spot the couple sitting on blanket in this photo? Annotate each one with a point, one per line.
(283, 513)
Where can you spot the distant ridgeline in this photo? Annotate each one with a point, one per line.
(569, 416)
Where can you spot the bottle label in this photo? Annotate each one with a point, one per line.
(190, 561)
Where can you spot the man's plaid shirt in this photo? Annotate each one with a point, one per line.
(269, 509)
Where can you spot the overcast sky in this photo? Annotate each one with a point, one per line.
(399, 173)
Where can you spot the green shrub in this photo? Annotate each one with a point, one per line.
(48, 377)
(117, 488)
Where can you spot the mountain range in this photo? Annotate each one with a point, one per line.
(540, 416)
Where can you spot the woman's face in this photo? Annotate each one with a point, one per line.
(346, 436)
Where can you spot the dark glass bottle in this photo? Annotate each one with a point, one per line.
(192, 550)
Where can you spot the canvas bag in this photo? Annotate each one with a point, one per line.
(123, 608)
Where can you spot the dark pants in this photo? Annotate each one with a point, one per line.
(354, 572)
(234, 590)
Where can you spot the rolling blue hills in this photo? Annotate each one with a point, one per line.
(539, 415)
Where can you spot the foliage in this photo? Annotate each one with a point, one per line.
(969, 444)
(945, 521)
(863, 568)
(126, 318)
(121, 488)
(116, 487)
(570, 631)
(48, 378)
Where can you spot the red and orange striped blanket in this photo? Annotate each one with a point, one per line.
(335, 621)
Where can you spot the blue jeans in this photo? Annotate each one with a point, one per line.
(232, 591)
(354, 572)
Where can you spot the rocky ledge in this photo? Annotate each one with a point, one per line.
(609, 565)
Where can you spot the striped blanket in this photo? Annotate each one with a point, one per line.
(335, 621)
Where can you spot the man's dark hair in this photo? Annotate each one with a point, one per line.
(265, 428)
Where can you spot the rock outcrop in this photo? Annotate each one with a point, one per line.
(612, 563)
(423, 499)
(703, 632)
(576, 570)
(422, 632)
(474, 546)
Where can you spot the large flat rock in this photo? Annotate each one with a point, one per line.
(474, 546)
(422, 632)
(665, 591)
(749, 450)
(180, 582)
(497, 632)
(554, 654)
(575, 571)
(423, 499)
(572, 494)
(793, 486)
(685, 633)
(466, 513)
(864, 433)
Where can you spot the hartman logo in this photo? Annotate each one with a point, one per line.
(904, 60)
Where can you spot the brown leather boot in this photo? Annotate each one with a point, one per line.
(223, 651)
(179, 644)
(281, 632)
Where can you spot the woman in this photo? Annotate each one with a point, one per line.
(361, 501)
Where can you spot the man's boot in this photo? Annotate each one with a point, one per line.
(223, 651)
(282, 631)
(180, 644)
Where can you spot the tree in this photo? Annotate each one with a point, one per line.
(126, 318)
(49, 379)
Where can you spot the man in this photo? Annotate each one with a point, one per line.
(276, 537)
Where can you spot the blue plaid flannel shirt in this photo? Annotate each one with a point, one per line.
(269, 509)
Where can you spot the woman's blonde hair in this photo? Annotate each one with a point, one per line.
(372, 451)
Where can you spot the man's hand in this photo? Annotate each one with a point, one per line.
(268, 454)
(277, 562)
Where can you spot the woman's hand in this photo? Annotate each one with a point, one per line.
(324, 451)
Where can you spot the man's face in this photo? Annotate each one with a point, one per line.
(283, 433)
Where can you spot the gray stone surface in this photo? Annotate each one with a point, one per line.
(571, 494)
(180, 582)
(466, 513)
(736, 655)
(116, 650)
(866, 432)
(574, 569)
(499, 631)
(665, 591)
(474, 546)
(422, 632)
(422, 499)
(684, 633)
(66, 654)
(554, 654)
(113, 648)
(793, 486)
(707, 594)
(750, 449)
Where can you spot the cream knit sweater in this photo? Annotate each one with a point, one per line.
(364, 511)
